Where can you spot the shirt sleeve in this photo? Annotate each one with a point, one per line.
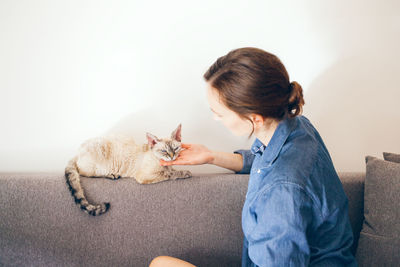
(248, 159)
(282, 216)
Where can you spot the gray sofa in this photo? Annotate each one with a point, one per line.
(196, 219)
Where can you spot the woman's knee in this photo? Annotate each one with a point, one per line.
(157, 261)
(167, 261)
(162, 261)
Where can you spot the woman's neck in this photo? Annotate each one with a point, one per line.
(265, 133)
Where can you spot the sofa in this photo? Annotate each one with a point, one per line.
(196, 219)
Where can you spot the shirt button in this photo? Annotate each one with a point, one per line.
(258, 171)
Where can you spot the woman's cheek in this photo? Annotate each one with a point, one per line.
(238, 127)
(245, 128)
(217, 118)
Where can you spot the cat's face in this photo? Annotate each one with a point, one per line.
(166, 149)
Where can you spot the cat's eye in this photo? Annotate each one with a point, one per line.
(163, 151)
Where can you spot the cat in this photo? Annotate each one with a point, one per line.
(114, 157)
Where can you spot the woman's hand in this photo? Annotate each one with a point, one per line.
(192, 154)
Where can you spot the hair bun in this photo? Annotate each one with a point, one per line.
(296, 100)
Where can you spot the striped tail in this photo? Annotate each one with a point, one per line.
(74, 183)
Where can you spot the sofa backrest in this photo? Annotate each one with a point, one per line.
(196, 219)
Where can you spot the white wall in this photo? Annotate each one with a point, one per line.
(71, 70)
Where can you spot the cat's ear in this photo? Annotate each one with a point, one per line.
(151, 139)
(176, 135)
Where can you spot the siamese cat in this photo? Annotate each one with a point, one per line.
(114, 157)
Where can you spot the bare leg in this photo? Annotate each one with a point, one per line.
(167, 261)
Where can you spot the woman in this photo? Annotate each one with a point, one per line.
(295, 212)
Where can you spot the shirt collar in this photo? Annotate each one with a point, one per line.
(282, 132)
(257, 147)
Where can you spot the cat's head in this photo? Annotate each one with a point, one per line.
(166, 149)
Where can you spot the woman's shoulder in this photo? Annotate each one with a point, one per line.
(303, 148)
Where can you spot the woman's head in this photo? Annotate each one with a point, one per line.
(252, 81)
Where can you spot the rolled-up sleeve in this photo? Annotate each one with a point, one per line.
(282, 216)
(248, 159)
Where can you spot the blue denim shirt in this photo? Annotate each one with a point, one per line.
(296, 211)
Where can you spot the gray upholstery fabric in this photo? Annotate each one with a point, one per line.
(379, 243)
(353, 184)
(196, 219)
(391, 157)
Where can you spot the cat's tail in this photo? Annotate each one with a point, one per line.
(74, 183)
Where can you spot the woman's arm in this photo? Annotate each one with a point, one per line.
(231, 161)
(196, 154)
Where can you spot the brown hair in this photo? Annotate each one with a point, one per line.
(251, 80)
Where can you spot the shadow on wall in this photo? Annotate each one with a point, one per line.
(354, 105)
(198, 127)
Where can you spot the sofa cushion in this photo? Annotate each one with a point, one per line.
(379, 243)
(391, 157)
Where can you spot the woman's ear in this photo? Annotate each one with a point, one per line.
(258, 120)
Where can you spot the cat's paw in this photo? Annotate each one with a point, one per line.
(114, 177)
(186, 174)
